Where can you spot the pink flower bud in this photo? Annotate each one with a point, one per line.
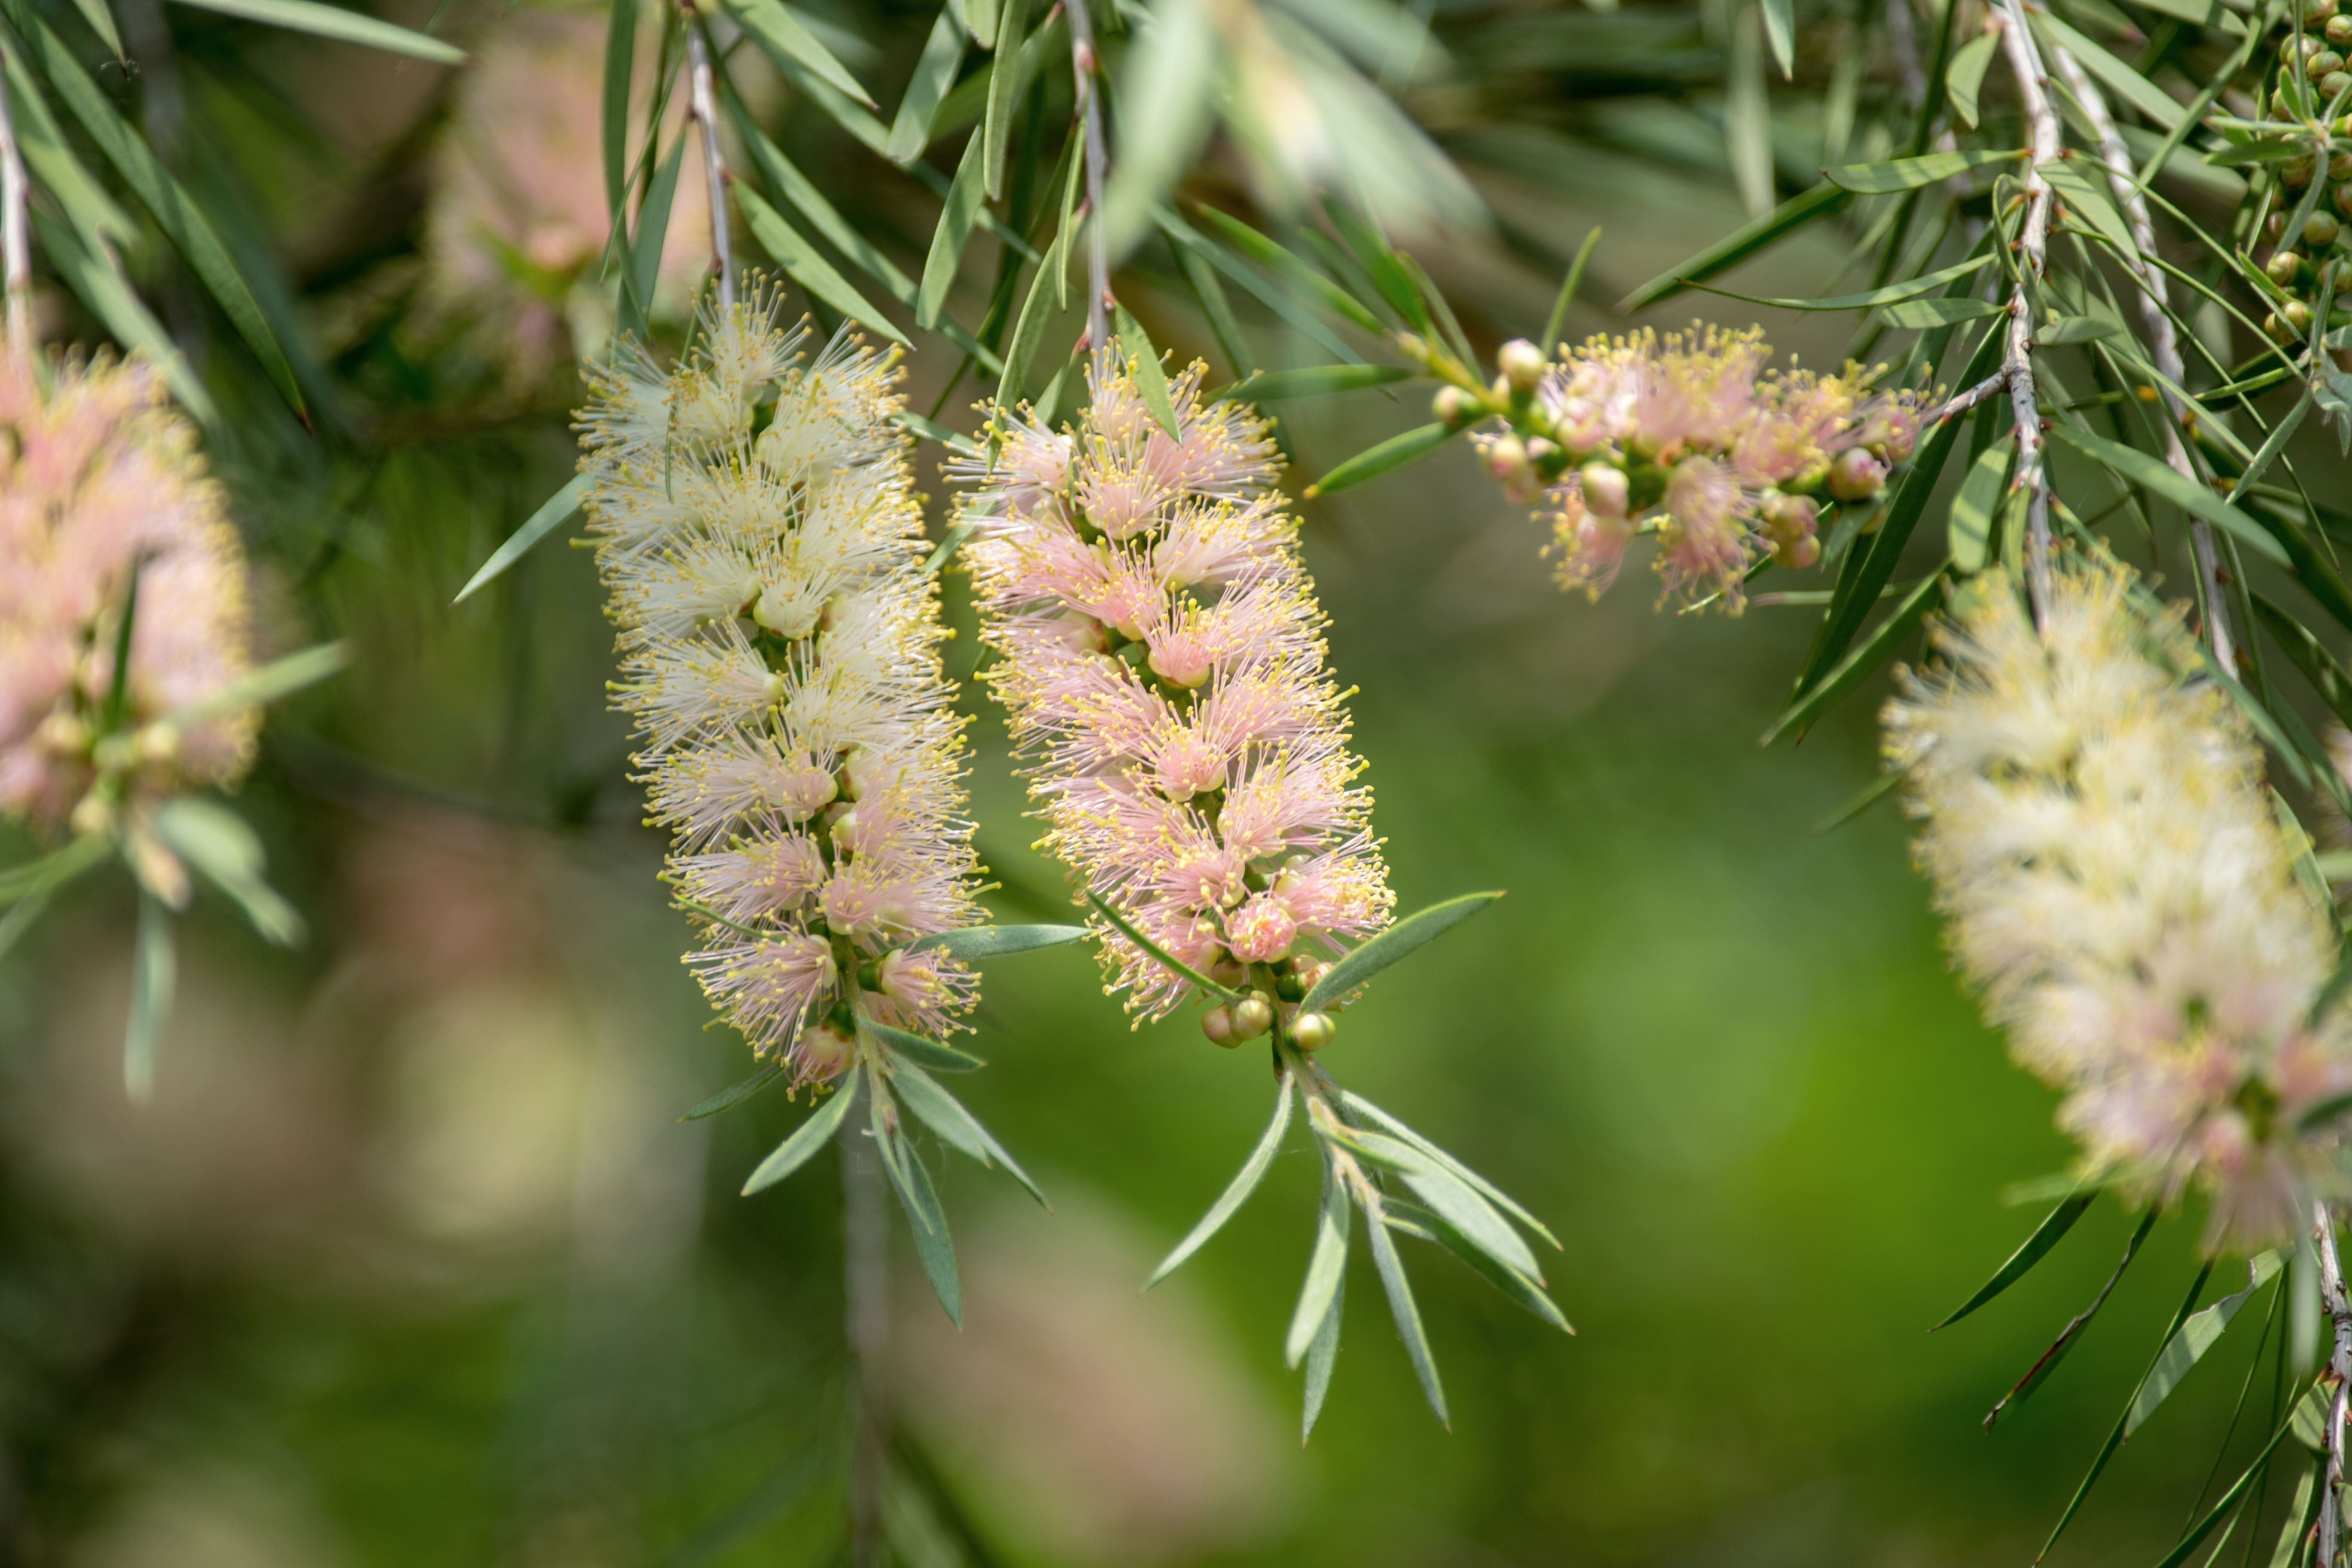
(1521, 362)
(1217, 1022)
(1452, 407)
(1604, 487)
(1857, 474)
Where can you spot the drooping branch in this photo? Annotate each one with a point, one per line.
(2163, 340)
(2032, 250)
(702, 103)
(1086, 66)
(15, 247)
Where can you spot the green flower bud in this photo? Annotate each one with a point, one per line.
(1312, 1031)
(1253, 1016)
(1453, 407)
(2322, 61)
(2321, 229)
(2336, 83)
(1522, 365)
(2283, 268)
(2339, 31)
(1217, 1022)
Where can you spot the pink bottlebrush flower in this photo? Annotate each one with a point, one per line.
(1591, 545)
(780, 652)
(1187, 747)
(100, 483)
(1704, 544)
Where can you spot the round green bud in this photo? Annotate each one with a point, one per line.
(2283, 268)
(2297, 172)
(2321, 229)
(1521, 362)
(1253, 1016)
(1453, 407)
(1312, 1031)
(2336, 83)
(2297, 317)
(1217, 1022)
(2322, 61)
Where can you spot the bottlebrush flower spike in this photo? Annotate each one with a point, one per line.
(101, 485)
(780, 642)
(1161, 663)
(2100, 838)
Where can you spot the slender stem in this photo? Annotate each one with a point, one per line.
(16, 247)
(2163, 342)
(1959, 404)
(2332, 1296)
(865, 1280)
(1085, 68)
(702, 103)
(2033, 245)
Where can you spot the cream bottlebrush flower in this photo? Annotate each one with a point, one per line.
(1162, 664)
(2100, 838)
(100, 483)
(780, 645)
(1691, 436)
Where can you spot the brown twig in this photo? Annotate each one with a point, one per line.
(702, 103)
(2032, 245)
(1085, 68)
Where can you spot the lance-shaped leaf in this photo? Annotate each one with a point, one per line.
(2047, 1235)
(1237, 1191)
(2302, 1516)
(1004, 86)
(1738, 247)
(1314, 380)
(154, 975)
(1280, 302)
(925, 1218)
(2310, 656)
(1407, 1315)
(996, 942)
(2072, 1334)
(1388, 456)
(946, 1117)
(1404, 938)
(1921, 315)
(962, 204)
(1360, 1109)
(1286, 264)
(1527, 1292)
(2228, 1503)
(807, 1138)
(2125, 82)
(736, 1094)
(1158, 954)
(929, 1052)
(1858, 666)
(175, 213)
(1911, 288)
(620, 64)
(2272, 445)
(1969, 532)
(1151, 380)
(551, 515)
(2187, 1343)
(334, 22)
(279, 678)
(1449, 1197)
(2155, 474)
(808, 268)
(1029, 328)
(779, 30)
(1780, 31)
(1322, 1355)
(1325, 1264)
(1567, 288)
(1965, 79)
(1911, 174)
(91, 271)
(935, 72)
(645, 252)
(216, 841)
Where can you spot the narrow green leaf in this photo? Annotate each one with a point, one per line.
(736, 1094)
(1527, 1292)
(779, 30)
(175, 213)
(1325, 1264)
(1567, 288)
(1390, 278)
(2125, 82)
(1322, 1356)
(2084, 195)
(1966, 77)
(794, 189)
(996, 942)
(1030, 328)
(842, 110)
(1202, 279)
(1859, 665)
(551, 514)
(279, 678)
(1400, 940)
(1313, 380)
(1158, 954)
(2047, 1235)
(2272, 445)
(1151, 380)
(1780, 31)
(1739, 245)
(1358, 1108)
(1408, 1319)
(334, 22)
(96, 277)
(55, 169)
(647, 244)
(929, 1221)
(951, 541)
(1910, 288)
(980, 15)
(620, 62)
(1917, 315)
(101, 22)
(2155, 474)
(962, 207)
(2075, 329)
(153, 972)
(2310, 657)
(1005, 85)
(2263, 150)
(1237, 1191)
(945, 1116)
(1911, 174)
(1284, 263)
(2187, 1344)
(1282, 302)
(2227, 1504)
(810, 269)
(2294, 1531)
(1389, 455)
(1453, 1201)
(929, 1052)
(929, 430)
(2072, 1334)
(935, 72)
(1975, 507)
(54, 869)
(215, 840)
(807, 1138)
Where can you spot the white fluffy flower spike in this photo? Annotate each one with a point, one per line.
(780, 647)
(2120, 886)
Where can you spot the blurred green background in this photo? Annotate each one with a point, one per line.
(411, 1262)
